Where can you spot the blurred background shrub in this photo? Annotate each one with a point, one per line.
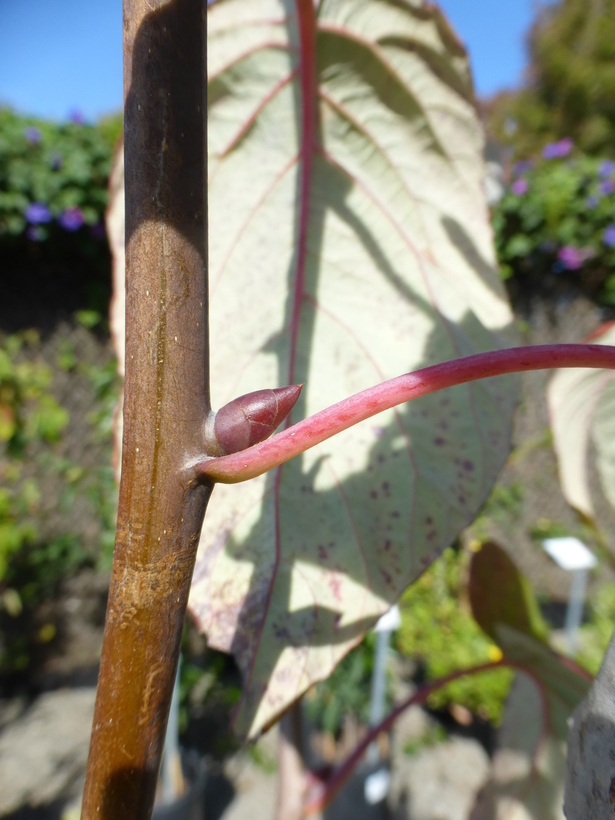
(57, 491)
(570, 83)
(557, 217)
(347, 691)
(439, 632)
(53, 177)
(58, 385)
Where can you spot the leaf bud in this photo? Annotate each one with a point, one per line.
(254, 417)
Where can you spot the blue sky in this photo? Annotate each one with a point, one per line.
(61, 55)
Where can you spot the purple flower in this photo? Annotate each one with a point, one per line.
(56, 162)
(608, 237)
(550, 151)
(565, 146)
(519, 187)
(77, 117)
(606, 169)
(34, 233)
(521, 168)
(71, 219)
(592, 202)
(37, 213)
(558, 150)
(33, 135)
(570, 257)
(607, 187)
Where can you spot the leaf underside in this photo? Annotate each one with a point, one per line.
(349, 242)
(582, 408)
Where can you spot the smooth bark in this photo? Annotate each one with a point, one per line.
(161, 507)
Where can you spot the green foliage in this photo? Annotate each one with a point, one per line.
(34, 556)
(499, 594)
(205, 683)
(263, 759)
(102, 488)
(594, 636)
(53, 195)
(209, 689)
(438, 630)
(346, 691)
(571, 86)
(545, 528)
(88, 318)
(60, 166)
(505, 500)
(27, 409)
(15, 532)
(435, 734)
(45, 563)
(558, 217)
(29, 414)
(30, 566)
(111, 127)
(102, 493)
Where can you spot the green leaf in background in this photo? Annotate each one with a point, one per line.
(500, 594)
(530, 764)
(48, 419)
(582, 405)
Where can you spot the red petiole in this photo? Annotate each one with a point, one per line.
(295, 440)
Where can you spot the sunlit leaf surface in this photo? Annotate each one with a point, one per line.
(582, 408)
(349, 242)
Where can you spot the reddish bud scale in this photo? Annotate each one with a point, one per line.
(254, 417)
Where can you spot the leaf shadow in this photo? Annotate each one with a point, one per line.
(396, 520)
(466, 246)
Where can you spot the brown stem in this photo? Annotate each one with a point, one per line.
(166, 401)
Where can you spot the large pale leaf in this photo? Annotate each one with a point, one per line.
(582, 406)
(529, 765)
(349, 242)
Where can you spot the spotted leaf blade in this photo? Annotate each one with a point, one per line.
(349, 242)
